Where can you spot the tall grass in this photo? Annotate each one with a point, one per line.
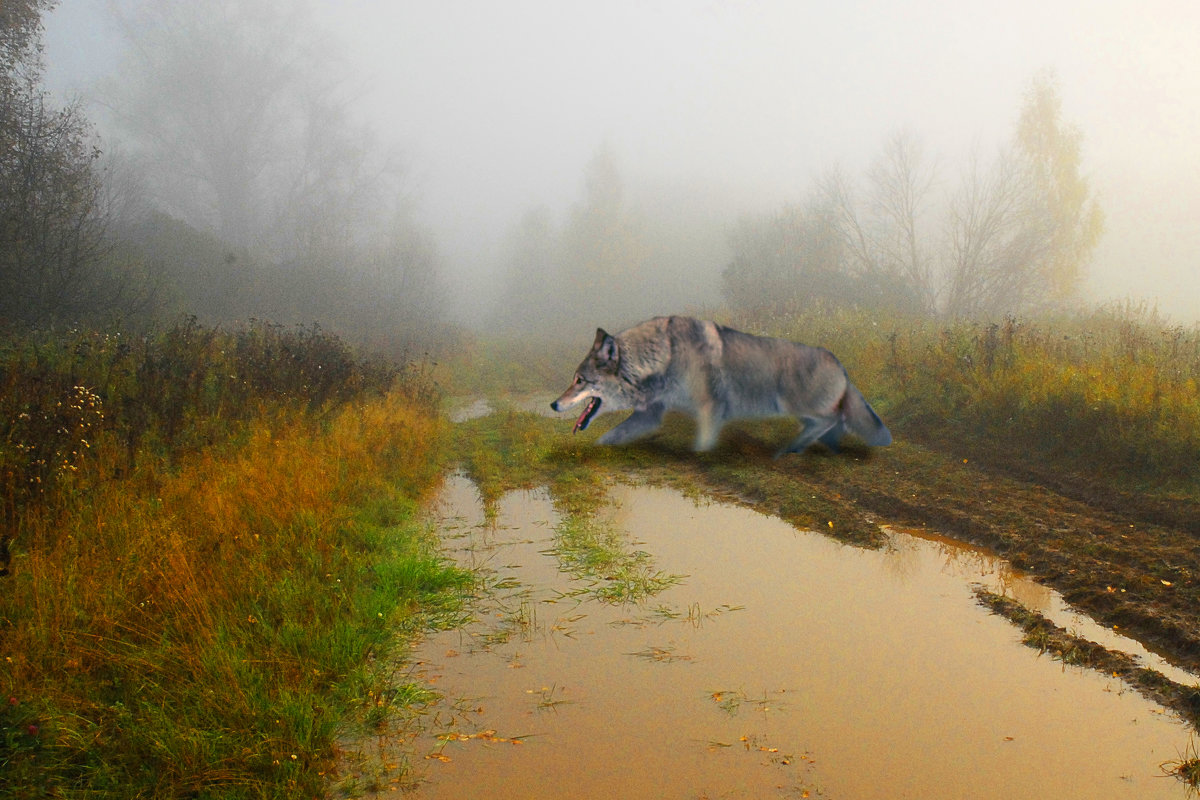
(1111, 394)
(64, 396)
(196, 623)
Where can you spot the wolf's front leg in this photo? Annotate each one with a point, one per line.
(708, 428)
(639, 424)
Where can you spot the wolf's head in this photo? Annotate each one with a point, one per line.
(598, 381)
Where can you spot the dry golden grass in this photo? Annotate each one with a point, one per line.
(192, 628)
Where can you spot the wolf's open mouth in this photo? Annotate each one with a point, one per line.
(586, 417)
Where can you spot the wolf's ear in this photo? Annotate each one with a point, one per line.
(605, 347)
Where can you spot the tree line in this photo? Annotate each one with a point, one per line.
(1009, 234)
(240, 188)
(1013, 235)
(243, 189)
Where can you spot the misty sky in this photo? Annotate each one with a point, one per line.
(498, 106)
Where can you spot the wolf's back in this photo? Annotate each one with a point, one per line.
(862, 420)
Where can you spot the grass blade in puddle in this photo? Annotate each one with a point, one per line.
(593, 549)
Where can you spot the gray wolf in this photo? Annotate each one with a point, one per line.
(717, 374)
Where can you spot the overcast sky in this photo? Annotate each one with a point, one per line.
(499, 105)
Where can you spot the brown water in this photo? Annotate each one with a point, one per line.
(784, 665)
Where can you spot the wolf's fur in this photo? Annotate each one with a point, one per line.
(717, 374)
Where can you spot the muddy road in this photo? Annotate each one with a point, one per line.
(755, 660)
(907, 622)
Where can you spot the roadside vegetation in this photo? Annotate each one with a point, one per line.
(214, 539)
(1107, 398)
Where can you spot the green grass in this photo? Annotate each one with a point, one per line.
(593, 549)
(204, 620)
(512, 449)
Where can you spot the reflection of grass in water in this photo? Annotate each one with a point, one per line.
(661, 655)
(593, 549)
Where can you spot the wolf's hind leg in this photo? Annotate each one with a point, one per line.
(832, 438)
(639, 424)
(815, 428)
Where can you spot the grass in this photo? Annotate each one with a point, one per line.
(593, 549)
(1110, 395)
(203, 621)
(512, 449)
(1187, 767)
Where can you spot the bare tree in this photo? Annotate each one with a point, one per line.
(998, 238)
(206, 98)
(837, 192)
(55, 255)
(902, 182)
(242, 113)
(1021, 231)
(885, 249)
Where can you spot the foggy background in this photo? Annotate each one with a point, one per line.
(485, 128)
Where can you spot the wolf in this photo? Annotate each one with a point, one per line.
(717, 374)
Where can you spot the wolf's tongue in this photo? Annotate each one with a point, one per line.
(586, 417)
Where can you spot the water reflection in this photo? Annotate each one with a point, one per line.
(786, 664)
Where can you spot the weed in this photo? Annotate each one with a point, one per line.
(547, 699)
(199, 620)
(661, 655)
(1187, 767)
(1110, 394)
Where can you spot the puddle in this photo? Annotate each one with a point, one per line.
(784, 664)
(997, 575)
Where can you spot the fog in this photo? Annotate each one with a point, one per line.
(715, 110)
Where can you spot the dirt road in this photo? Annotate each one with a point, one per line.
(1132, 562)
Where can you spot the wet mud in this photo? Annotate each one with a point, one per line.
(758, 660)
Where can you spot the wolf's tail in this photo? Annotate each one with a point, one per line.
(862, 420)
